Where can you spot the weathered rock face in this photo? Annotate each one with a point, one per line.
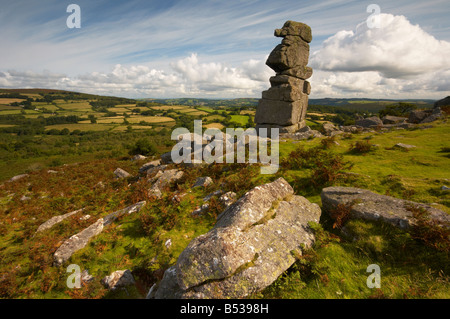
(368, 205)
(284, 104)
(248, 248)
(444, 102)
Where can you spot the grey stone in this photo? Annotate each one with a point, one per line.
(296, 29)
(138, 157)
(284, 92)
(248, 248)
(55, 220)
(18, 177)
(81, 239)
(369, 122)
(144, 168)
(418, 116)
(120, 173)
(293, 52)
(203, 182)
(328, 128)
(371, 206)
(301, 72)
(389, 119)
(118, 279)
(278, 112)
(164, 179)
(404, 146)
(76, 242)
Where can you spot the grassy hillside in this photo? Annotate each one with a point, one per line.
(334, 268)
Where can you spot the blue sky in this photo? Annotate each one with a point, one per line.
(217, 48)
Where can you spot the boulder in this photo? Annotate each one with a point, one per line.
(138, 157)
(120, 173)
(389, 119)
(118, 279)
(203, 182)
(291, 53)
(17, 177)
(404, 146)
(248, 248)
(164, 179)
(144, 168)
(435, 115)
(328, 128)
(81, 239)
(55, 220)
(369, 122)
(371, 206)
(418, 116)
(296, 29)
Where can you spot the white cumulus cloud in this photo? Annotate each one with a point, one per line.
(397, 49)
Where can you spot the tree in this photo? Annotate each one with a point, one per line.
(92, 118)
(143, 146)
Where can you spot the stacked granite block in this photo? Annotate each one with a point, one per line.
(284, 104)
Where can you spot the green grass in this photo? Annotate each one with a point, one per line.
(240, 120)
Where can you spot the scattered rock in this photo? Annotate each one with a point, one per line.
(138, 157)
(50, 171)
(445, 188)
(328, 128)
(144, 168)
(24, 198)
(228, 198)
(56, 219)
(166, 158)
(373, 121)
(76, 242)
(389, 119)
(86, 277)
(404, 146)
(248, 248)
(120, 173)
(168, 243)
(209, 196)
(371, 206)
(17, 177)
(118, 279)
(199, 211)
(203, 182)
(80, 240)
(164, 179)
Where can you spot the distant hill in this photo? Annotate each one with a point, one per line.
(352, 104)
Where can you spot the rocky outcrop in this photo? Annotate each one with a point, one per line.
(248, 248)
(441, 103)
(365, 204)
(81, 239)
(284, 105)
